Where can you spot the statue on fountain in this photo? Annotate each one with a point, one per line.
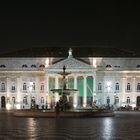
(63, 104)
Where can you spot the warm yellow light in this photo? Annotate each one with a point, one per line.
(18, 106)
(75, 105)
(8, 106)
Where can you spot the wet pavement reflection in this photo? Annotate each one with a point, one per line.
(124, 126)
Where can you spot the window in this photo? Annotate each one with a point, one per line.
(24, 66)
(99, 86)
(128, 86)
(128, 100)
(24, 86)
(138, 87)
(116, 100)
(33, 66)
(2, 66)
(25, 100)
(42, 66)
(117, 66)
(3, 86)
(42, 100)
(13, 100)
(42, 87)
(108, 66)
(13, 87)
(108, 100)
(117, 86)
(33, 86)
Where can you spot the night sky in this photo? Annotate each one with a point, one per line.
(52, 24)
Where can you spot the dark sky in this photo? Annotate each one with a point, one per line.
(56, 23)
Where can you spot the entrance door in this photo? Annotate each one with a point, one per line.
(3, 102)
(138, 101)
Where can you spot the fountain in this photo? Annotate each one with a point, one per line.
(63, 103)
(63, 108)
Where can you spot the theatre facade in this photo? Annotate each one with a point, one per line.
(27, 81)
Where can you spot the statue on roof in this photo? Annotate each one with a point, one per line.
(70, 53)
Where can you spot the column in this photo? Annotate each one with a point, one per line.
(47, 90)
(19, 98)
(123, 90)
(85, 92)
(7, 86)
(37, 91)
(56, 87)
(75, 96)
(133, 97)
(94, 88)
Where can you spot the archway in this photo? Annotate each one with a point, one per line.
(3, 104)
(138, 101)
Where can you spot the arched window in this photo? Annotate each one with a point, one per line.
(24, 66)
(33, 66)
(108, 66)
(138, 87)
(128, 100)
(25, 100)
(13, 100)
(42, 100)
(42, 87)
(128, 86)
(42, 66)
(138, 66)
(2, 66)
(33, 86)
(99, 86)
(2, 86)
(108, 100)
(117, 86)
(24, 86)
(116, 100)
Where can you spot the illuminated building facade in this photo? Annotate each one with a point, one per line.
(26, 81)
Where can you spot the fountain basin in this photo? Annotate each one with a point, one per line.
(63, 114)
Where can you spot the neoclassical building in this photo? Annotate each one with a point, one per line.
(27, 81)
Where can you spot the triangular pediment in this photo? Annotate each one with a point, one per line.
(70, 63)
